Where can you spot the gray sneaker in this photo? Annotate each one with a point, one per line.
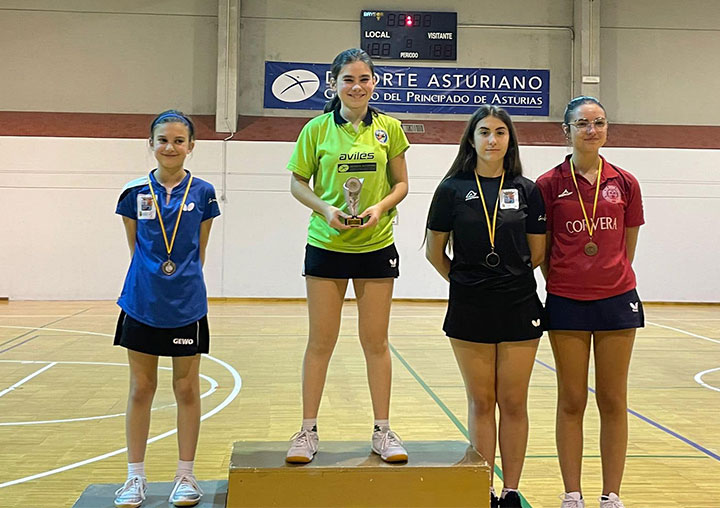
(186, 491)
(303, 448)
(132, 494)
(389, 446)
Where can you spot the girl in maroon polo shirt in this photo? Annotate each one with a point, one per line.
(594, 210)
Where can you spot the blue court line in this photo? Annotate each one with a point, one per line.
(19, 344)
(447, 411)
(655, 424)
(35, 330)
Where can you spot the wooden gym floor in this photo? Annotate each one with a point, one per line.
(63, 389)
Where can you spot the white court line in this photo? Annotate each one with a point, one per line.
(210, 391)
(236, 389)
(685, 332)
(699, 375)
(28, 378)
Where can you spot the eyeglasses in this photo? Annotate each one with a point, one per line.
(599, 124)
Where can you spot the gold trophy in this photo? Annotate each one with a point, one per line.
(352, 188)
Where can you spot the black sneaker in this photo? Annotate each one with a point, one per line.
(511, 500)
(494, 501)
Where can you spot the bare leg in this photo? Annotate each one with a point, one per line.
(613, 350)
(325, 301)
(143, 383)
(515, 362)
(186, 385)
(477, 366)
(572, 355)
(374, 297)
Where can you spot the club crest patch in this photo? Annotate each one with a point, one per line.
(612, 194)
(381, 136)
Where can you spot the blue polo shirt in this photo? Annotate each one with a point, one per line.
(148, 295)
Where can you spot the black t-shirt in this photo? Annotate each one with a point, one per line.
(457, 208)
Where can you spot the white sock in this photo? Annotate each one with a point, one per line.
(505, 490)
(185, 467)
(575, 496)
(309, 424)
(136, 469)
(382, 424)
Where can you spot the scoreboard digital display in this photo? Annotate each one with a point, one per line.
(409, 35)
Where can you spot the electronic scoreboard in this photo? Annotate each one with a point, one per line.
(409, 35)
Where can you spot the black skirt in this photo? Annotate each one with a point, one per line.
(378, 264)
(490, 316)
(186, 340)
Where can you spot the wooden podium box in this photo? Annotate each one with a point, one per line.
(439, 474)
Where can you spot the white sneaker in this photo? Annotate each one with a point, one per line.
(389, 446)
(613, 501)
(572, 500)
(186, 491)
(132, 494)
(303, 448)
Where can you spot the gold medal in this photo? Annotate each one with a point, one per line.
(168, 267)
(493, 258)
(591, 248)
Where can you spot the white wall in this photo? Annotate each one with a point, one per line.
(61, 239)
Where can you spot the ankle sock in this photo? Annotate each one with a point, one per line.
(136, 469)
(381, 425)
(309, 424)
(185, 467)
(505, 490)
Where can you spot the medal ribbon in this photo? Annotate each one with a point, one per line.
(169, 246)
(590, 224)
(491, 231)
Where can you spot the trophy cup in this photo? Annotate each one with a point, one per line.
(352, 188)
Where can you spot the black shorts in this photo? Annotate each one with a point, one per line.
(490, 317)
(615, 313)
(186, 340)
(328, 264)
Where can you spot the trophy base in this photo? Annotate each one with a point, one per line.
(354, 221)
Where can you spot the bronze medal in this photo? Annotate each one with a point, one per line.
(168, 267)
(591, 249)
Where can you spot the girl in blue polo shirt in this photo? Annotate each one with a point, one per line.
(167, 216)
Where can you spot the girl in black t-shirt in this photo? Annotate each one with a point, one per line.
(493, 218)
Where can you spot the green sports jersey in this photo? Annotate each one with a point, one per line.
(330, 151)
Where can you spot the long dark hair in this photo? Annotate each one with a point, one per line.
(348, 56)
(173, 115)
(466, 159)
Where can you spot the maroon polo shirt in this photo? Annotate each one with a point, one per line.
(572, 273)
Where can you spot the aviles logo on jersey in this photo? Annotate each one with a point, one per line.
(296, 85)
